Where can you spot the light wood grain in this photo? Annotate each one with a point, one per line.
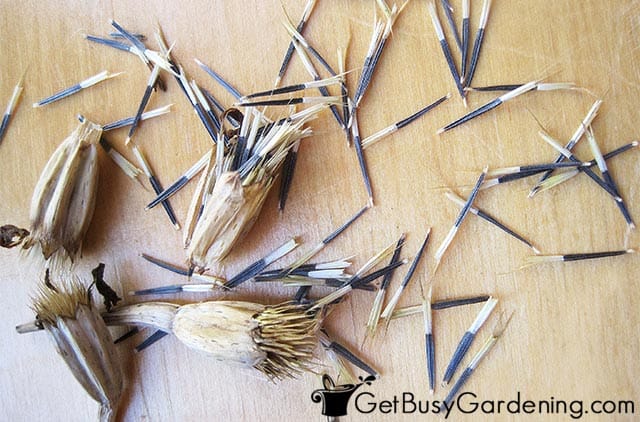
(574, 333)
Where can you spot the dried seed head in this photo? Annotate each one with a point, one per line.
(64, 197)
(83, 340)
(279, 340)
(237, 180)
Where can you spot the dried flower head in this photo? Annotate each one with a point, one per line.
(278, 341)
(236, 182)
(65, 310)
(64, 197)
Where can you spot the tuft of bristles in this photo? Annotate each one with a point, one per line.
(288, 334)
(63, 301)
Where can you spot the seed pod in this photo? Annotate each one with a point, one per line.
(64, 197)
(82, 339)
(237, 180)
(278, 341)
(226, 217)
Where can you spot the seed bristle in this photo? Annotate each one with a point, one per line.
(63, 301)
(287, 334)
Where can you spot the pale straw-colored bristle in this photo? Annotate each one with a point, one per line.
(388, 310)
(15, 97)
(406, 311)
(484, 313)
(281, 251)
(300, 281)
(489, 183)
(498, 330)
(454, 198)
(372, 139)
(326, 274)
(199, 95)
(484, 17)
(374, 260)
(344, 373)
(426, 311)
(555, 180)
(160, 60)
(503, 322)
(555, 86)
(92, 80)
(386, 10)
(435, 20)
(503, 171)
(308, 8)
(126, 166)
(595, 150)
(465, 9)
(287, 334)
(156, 112)
(554, 143)
(337, 294)
(337, 264)
(63, 302)
(518, 91)
(308, 255)
(540, 259)
(374, 315)
(575, 138)
(445, 243)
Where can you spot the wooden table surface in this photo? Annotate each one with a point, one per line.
(574, 334)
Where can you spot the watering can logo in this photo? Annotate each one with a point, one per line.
(335, 398)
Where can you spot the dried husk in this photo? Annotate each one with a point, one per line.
(64, 197)
(237, 180)
(279, 340)
(83, 340)
(228, 214)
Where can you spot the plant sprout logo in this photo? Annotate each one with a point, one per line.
(335, 398)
